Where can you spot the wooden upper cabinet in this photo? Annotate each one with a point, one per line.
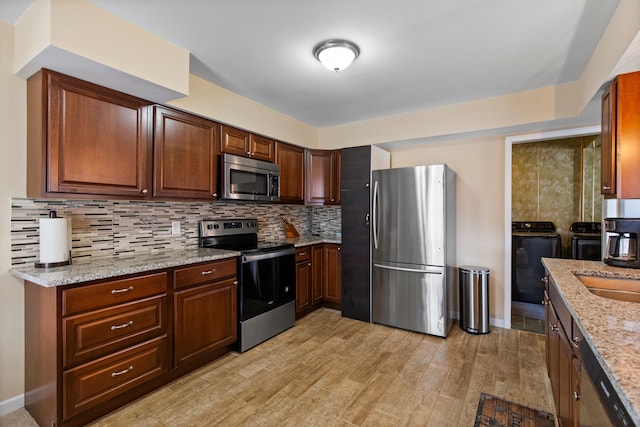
(322, 186)
(245, 144)
(185, 155)
(262, 148)
(85, 139)
(621, 137)
(291, 161)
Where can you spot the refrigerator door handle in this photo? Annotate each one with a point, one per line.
(374, 215)
(410, 270)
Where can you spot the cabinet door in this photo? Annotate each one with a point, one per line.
(205, 320)
(303, 287)
(333, 275)
(261, 148)
(291, 161)
(185, 155)
(565, 400)
(317, 267)
(626, 135)
(234, 141)
(96, 140)
(553, 349)
(608, 137)
(322, 183)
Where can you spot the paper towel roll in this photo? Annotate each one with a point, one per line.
(54, 240)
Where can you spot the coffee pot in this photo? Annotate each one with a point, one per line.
(622, 242)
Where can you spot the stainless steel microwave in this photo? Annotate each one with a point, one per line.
(249, 179)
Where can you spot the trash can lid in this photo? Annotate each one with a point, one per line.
(474, 268)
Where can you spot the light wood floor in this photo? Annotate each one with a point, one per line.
(333, 371)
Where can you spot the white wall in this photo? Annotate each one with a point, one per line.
(13, 176)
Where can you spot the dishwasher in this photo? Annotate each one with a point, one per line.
(600, 405)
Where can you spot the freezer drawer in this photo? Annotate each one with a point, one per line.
(411, 297)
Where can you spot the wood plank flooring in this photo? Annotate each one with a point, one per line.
(333, 371)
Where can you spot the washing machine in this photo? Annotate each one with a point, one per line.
(531, 241)
(586, 241)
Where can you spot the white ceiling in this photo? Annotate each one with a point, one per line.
(415, 54)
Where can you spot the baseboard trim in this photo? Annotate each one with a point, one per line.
(12, 404)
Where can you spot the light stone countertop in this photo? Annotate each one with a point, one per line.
(612, 328)
(85, 270)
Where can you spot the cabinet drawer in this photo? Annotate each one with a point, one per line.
(94, 383)
(561, 309)
(94, 334)
(203, 273)
(92, 297)
(303, 254)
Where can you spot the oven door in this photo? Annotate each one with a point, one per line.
(267, 281)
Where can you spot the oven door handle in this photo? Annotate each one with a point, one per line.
(267, 255)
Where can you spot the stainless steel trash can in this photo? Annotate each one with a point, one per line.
(474, 299)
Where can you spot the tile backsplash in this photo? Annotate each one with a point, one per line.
(107, 228)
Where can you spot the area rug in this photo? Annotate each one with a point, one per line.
(496, 412)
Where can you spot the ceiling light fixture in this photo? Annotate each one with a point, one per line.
(336, 55)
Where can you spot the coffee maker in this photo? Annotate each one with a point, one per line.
(622, 242)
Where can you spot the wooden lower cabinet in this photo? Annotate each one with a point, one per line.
(318, 278)
(91, 348)
(204, 319)
(332, 275)
(563, 359)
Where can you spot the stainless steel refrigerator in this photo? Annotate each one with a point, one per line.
(413, 250)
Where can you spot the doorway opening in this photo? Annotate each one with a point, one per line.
(551, 178)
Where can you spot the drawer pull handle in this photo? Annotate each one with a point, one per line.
(302, 253)
(204, 273)
(124, 325)
(124, 371)
(119, 291)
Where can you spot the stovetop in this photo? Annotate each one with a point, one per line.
(237, 235)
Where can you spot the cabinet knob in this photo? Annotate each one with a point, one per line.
(576, 342)
(333, 200)
(235, 282)
(339, 248)
(366, 185)
(215, 195)
(606, 187)
(249, 153)
(576, 395)
(145, 191)
(553, 327)
(309, 264)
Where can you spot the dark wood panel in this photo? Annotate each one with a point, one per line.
(608, 141)
(303, 287)
(356, 168)
(317, 274)
(356, 293)
(627, 135)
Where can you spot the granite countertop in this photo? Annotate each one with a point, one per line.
(612, 328)
(84, 270)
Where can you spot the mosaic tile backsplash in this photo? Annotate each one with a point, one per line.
(107, 228)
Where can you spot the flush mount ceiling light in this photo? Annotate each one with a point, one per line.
(336, 55)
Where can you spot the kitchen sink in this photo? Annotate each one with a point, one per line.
(612, 288)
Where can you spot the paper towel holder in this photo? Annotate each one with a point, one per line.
(53, 214)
